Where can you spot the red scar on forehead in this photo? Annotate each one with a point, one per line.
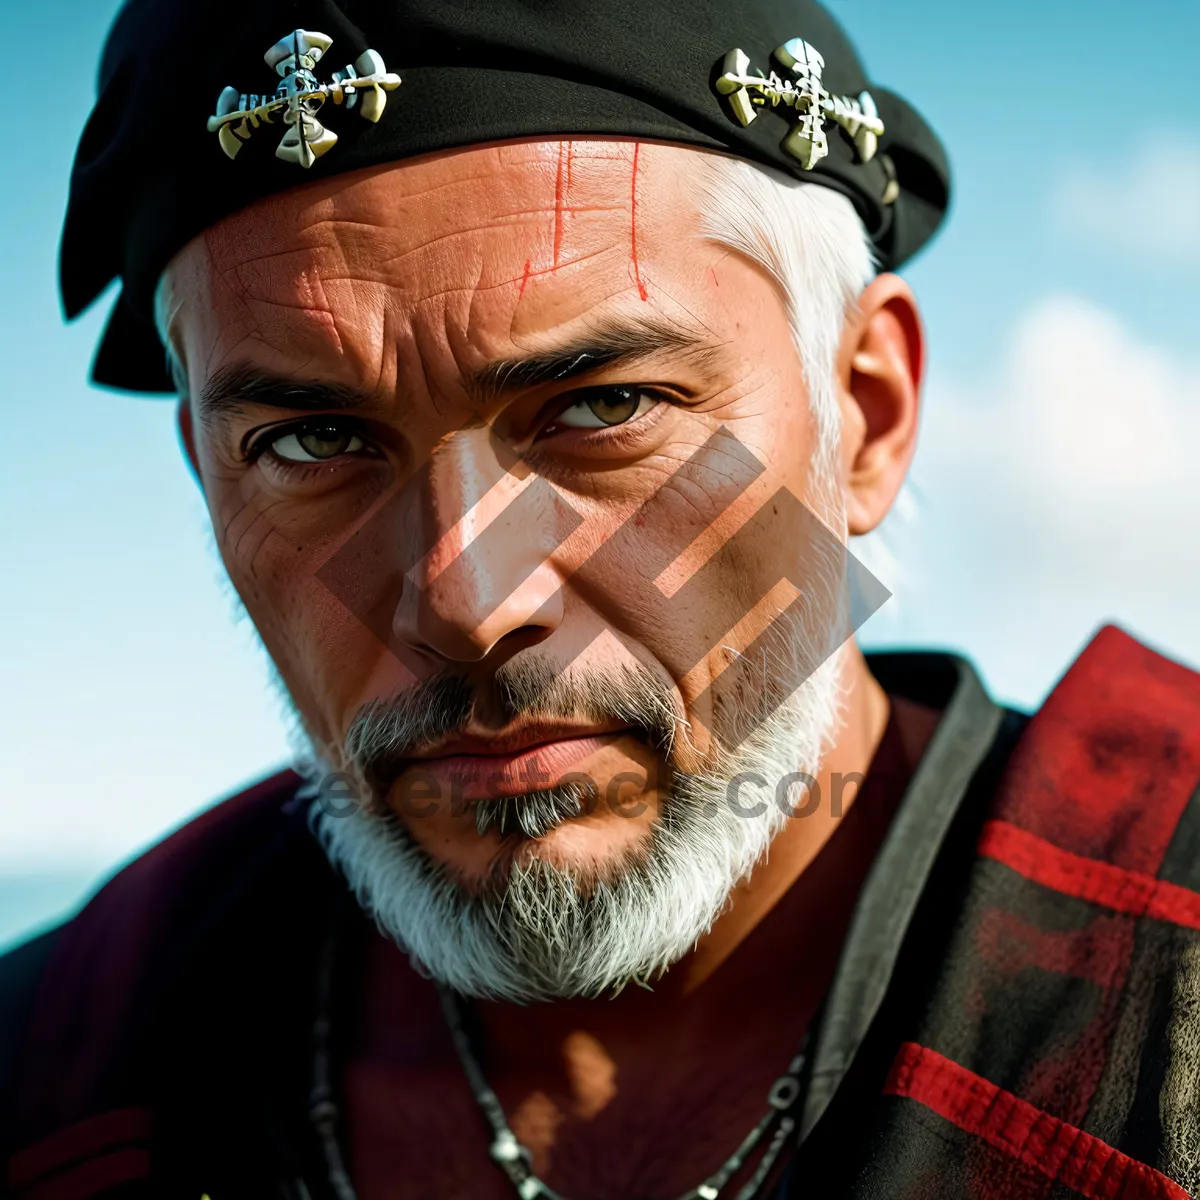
(558, 204)
(637, 275)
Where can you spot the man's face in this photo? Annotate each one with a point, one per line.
(488, 434)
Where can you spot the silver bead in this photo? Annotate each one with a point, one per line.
(506, 1148)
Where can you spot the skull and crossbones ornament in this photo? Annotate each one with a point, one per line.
(802, 92)
(300, 96)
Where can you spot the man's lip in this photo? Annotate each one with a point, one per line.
(511, 744)
(474, 776)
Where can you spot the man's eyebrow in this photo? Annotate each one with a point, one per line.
(610, 344)
(232, 388)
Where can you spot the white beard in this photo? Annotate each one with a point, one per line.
(545, 935)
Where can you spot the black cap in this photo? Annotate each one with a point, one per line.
(149, 173)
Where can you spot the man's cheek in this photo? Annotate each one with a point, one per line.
(264, 529)
(278, 586)
(329, 658)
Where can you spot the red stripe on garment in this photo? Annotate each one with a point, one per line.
(94, 1177)
(1107, 767)
(87, 1138)
(1098, 882)
(1026, 1134)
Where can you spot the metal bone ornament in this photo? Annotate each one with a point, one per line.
(300, 96)
(806, 96)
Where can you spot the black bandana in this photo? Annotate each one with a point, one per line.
(150, 173)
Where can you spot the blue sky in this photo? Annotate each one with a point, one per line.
(1053, 488)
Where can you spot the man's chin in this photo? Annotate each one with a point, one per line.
(589, 849)
(596, 902)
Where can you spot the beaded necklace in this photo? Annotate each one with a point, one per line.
(515, 1160)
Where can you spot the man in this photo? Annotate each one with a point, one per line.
(535, 370)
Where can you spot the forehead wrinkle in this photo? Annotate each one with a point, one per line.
(475, 296)
(437, 382)
(325, 301)
(701, 323)
(400, 183)
(455, 329)
(452, 235)
(300, 306)
(389, 354)
(278, 333)
(515, 279)
(546, 209)
(264, 256)
(475, 213)
(504, 204)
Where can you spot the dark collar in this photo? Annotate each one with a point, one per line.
(964, 736)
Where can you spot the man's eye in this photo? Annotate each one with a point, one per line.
(598, 408)
(316, 442)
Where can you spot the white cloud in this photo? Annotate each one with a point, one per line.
(1054, 495)
(1145, 207)
(1085, 421)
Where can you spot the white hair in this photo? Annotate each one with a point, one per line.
(810, 241)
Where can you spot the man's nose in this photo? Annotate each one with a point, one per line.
(488, 535)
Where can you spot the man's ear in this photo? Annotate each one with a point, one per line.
(879, 366)
(187, 437)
